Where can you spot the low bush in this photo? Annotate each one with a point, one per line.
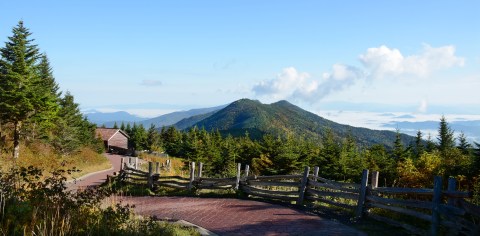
(34, 204)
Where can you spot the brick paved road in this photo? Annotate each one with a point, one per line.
(226, 216)
(238, 217)
(97, 178)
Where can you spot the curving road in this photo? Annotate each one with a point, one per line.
(224, 216)
(97, 178)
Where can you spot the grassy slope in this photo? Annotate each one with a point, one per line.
(42, 156)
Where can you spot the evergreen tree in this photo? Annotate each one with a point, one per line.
(475, 167)
(115, 126)
(463, 145)
(128, 129)
(68, 127)
(172, 141)
(122, 126)
(446, 140)
(419, 146)
(48, 96)
(153, 139)
(17, 79)
(398, 149)
(430, 144)
(329, 157)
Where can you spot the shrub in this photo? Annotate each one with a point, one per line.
(34, 204)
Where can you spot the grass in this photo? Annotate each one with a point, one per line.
(43, 156)
(177, 164)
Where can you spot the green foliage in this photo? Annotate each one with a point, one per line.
(282, 119)
(446, 140)
(31, 104)
(34, 204)
(419, 146)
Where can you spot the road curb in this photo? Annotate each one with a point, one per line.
(201, 230)
(88, 175)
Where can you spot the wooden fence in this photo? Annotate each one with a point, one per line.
(439, 211)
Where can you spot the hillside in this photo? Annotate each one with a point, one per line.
(109, 118)
(174, 117)
(283, 118)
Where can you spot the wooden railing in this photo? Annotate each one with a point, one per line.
(442, 211)
(438, 208)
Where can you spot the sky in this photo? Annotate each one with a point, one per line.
(329, 57)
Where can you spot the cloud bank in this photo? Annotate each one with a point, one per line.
(378, 63)
(385, 62)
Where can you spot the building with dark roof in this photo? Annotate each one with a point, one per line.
(113, 139)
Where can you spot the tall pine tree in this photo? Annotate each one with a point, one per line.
(18, 77)
(446, 140)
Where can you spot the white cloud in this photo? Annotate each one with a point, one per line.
(423, 106)
(299, 85)
(150, 82)
(341, 77)
(384, 62)
(283, 85)
(380, 62)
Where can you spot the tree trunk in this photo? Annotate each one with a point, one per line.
(16, 140)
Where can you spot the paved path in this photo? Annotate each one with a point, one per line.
(99, 177)
(238, 217)
(224, 216)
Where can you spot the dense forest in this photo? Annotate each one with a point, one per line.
(406, 164)
(33, 110)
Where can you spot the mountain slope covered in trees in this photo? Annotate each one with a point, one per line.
(283, 118)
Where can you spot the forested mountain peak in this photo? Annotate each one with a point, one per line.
(283, 118)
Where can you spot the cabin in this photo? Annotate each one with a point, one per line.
(115, 140)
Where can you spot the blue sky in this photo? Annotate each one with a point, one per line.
(153, 57)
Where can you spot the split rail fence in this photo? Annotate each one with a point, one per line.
(437, 211)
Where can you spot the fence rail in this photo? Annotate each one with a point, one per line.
(444, 210)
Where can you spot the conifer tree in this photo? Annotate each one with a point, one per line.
(446, 140)
(153, 139)
(18, 101)
(398, 149)
(419, 147)
(463, 144)
(68, 126)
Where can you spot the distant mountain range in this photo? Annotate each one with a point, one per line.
(110, 118)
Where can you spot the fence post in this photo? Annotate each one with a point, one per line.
(200, 169)
(315, 172)
(452, 186)
(303, 185)
(192, 175)
(237, 183)
(157, 168)
(374, 180)
(122, 163)
(136, 163)
(168, 164)
(437, 198)
(362, 195)
(150, 175)
(247, 169)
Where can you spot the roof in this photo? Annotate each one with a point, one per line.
(107, 133)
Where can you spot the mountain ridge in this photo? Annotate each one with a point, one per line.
(283, 118)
